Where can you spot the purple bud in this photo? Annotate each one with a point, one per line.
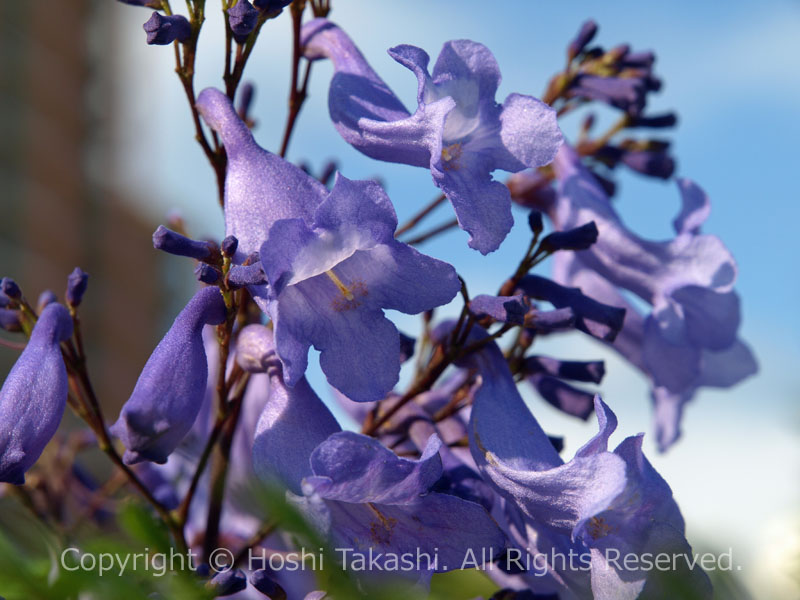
(170, 390)
(271, 6)
(45, 298)
(34, 395)
(162, 489)
(10, 288)
(242, 18)
(588, 371)
(242, 275)
(535, 222)
(532, 189)
(207, 274)
(76, 286)
(255, 349)
(507, 309)
(658, 121)
(550, 320)
(595, 318)
(246, 93)
(228, 582)
(609, 187)
(653, 164)
(407, 345)
(625, 93)
(579, 238)
(229, 246)
(165, 29)
(174, 243)
(262, 581)
(564, 397)
(203, 570)
(642, 60)
(587, 32)
(328, 171)
(151, 3)
(9, 320)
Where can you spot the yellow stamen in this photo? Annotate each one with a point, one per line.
(451, 152)
(342, 287)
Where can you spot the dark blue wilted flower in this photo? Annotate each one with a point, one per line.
(458, 131)
(170, 390)
(34, 395)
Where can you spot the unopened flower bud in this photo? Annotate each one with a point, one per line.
(9, 320)
(242, 275)
(579, 238)
(535, 222)
(229, 246)
(165, 29)
(207, 274)
(262, 581)
(242, 18)
(226, 583)
(653, 164)
(10, 288)
(77, 282)
(658, 121)
(246, 93)
(174, 243)
(45, 298)
(587, 32)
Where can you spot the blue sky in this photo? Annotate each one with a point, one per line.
(731, 70)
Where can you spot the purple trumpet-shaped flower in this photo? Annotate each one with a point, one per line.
(260, 187)
(165, 29)
(34, 395)
(170, 390)
(682, 362)
(688, 281)
(330, 279)
(358, 492)
(597, 502)
(458, 131)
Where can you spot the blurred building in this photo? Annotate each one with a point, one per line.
(54, 114)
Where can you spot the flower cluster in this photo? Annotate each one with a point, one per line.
(453, 465)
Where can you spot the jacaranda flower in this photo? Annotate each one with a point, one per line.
(330, 279)
(34, 395)
(170, 390)
(458, 131)
(330, 258)
(688, 281)
(596, 502)
(359, 493)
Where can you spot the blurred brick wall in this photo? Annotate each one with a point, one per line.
(52, 216)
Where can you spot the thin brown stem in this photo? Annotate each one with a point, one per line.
(297, 92)
(432, 233)
(414, 221)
